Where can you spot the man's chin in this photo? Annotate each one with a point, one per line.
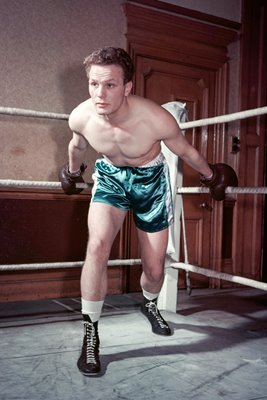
(102, 111)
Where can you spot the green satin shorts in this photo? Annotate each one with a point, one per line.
(146, 190)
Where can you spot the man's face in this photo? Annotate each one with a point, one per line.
(107, 88)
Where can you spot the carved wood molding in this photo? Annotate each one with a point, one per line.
(42, 195)
(178, 31)
(193, 14)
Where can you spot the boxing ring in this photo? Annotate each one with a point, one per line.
(168, 295)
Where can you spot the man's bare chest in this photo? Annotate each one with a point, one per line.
(113, 141)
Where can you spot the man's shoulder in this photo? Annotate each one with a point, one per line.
(152, 111)
(143, 102)
(80, 116)
(83, 109)
(148, 108)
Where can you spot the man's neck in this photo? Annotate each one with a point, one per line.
(119, 117)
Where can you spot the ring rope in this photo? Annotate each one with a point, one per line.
(12, 183)
(219, 275)
(183, 125)
(229, 189)
(224, 118)
(55, 265)
(186, 259)
(21, 112)
(124, 262)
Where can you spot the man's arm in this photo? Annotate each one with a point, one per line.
(193, 158)
(76, 150)
(71, 173)
(179, 145)
(217, 177)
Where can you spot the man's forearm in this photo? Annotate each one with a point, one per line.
(198, 162)
(76, 157)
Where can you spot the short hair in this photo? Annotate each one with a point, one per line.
(111, 56)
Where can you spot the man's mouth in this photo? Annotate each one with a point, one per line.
(101, 104)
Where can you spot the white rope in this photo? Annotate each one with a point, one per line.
(72, 264)
(223, 118)
(187, 276)
(21, 112)
(229, 189)
(219, 275)
(183, 125)
(12, 183)
(125, 262)
(184, 232)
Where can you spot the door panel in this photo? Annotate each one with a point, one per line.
(162, 82)
(194, 86)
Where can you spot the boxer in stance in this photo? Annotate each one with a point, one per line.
(127, 131)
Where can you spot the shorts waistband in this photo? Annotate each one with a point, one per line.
(159, 159)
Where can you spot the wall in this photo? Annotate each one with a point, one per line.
(43, 45)
(229, 9)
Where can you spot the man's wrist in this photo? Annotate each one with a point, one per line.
(209, 178)
(75, 173)
(211, 175)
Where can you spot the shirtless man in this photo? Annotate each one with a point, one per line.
(127, 131)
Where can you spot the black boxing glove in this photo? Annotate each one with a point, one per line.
(68, 180)
(223, 176)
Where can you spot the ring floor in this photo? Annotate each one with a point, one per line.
(217, 350)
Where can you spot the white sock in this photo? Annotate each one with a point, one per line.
(150, 296)
(92, 308)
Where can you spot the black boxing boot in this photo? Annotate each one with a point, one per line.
(88, 362)
(159, 325)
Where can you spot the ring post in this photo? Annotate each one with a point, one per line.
(169, 292)
(168, 296)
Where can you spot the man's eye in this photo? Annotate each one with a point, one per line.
(94, 84)
(110, 85)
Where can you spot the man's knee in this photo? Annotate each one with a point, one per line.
(154, 273)
(98, 247)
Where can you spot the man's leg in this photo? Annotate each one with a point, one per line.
(104, 222)
(153, 250)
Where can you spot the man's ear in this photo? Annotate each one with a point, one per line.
(128, 88)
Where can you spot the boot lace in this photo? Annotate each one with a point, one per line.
(153, 309)
(91, 343)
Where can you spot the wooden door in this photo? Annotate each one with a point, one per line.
(178, 59)
(163, 82)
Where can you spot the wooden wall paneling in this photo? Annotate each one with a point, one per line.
(131, 274)
(253, 78)
(44, 228)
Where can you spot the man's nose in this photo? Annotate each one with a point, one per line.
(101, 91)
